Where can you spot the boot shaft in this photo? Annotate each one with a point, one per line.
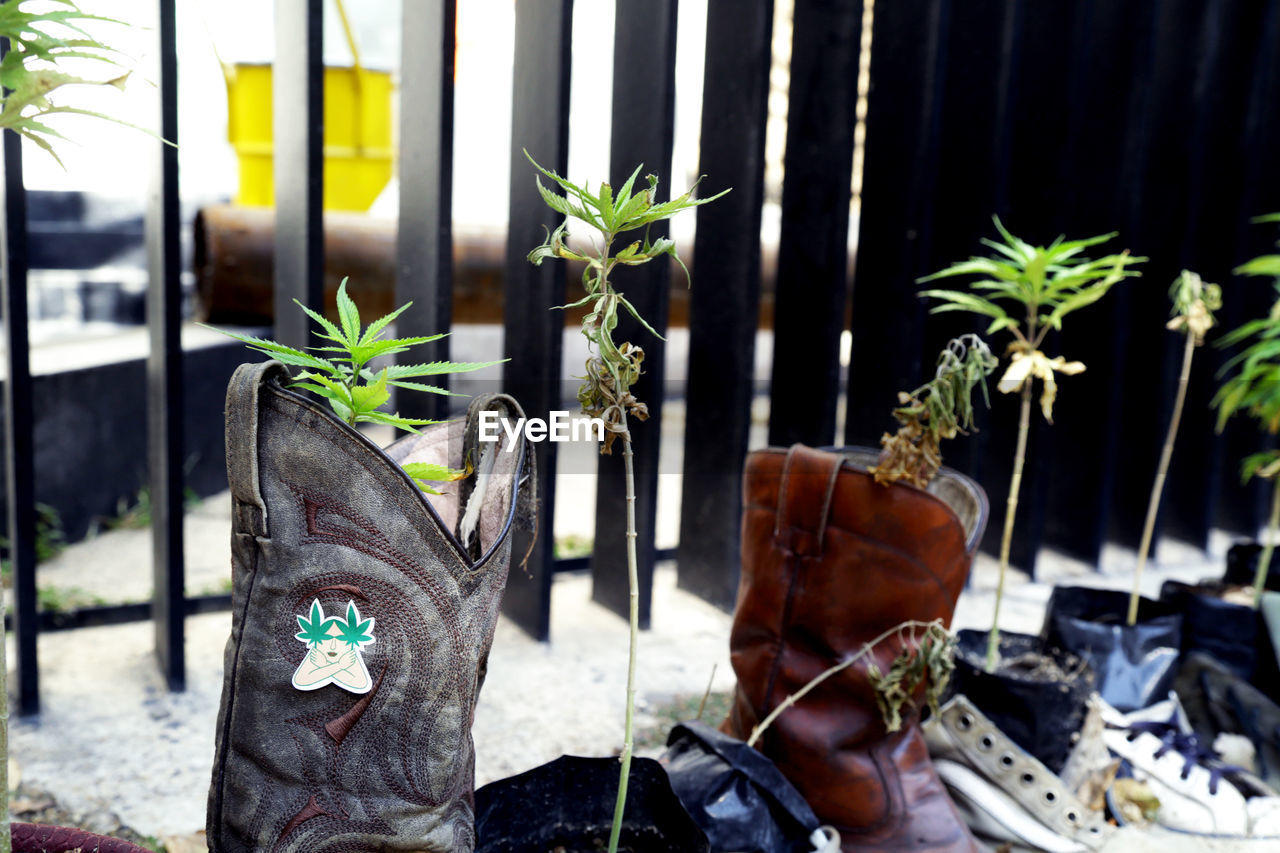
(362, 619)
(830, 561)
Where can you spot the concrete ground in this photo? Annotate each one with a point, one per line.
(114, 746)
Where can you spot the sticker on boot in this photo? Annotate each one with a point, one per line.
(335, 650)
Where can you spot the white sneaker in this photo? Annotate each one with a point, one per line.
(1004, 794)
(1198, 792)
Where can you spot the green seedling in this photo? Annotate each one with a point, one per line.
(613, 368)
(1253, 388)
(1044, 284)
(941, 408)
(1194, 302)
(341, 373)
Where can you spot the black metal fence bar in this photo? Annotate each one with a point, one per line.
(1154, 129)
(644, 93)
(533, 336)
(19, 427)
(298, 132)
(899, 170)
(164, 370)
(424, 242)
(813, 248)
(724, 304)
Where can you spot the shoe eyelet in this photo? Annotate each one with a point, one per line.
(964, 722)
(1006, 760)
(1050, 796)
(1095, 830)
(1028, 778)
(986, 743)
(1072, 816)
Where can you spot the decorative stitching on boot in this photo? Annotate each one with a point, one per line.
(349, 589)
(339, 728)
(311, 810)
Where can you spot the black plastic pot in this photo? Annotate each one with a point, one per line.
(1242, 565)
(1134, 664)
(1037, 696)
(567, 804)
(735, 794)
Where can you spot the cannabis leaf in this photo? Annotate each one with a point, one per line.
(1046, 283)
(353, 630)
(355, 391)
(39, 41)
(613, 368)
(314, 629)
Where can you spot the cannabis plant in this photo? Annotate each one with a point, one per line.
(613, 367)
(940, 408)
(1194, 302)
(1254, 388)
(1042, 285)
(41, 37)
(341, 373)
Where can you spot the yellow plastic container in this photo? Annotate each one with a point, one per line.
(357, 134)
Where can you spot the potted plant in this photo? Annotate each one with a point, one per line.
(366, 587)
(605, 393)
(1194, 302)
(1043, 284)
(848, 550)
(1250, 389)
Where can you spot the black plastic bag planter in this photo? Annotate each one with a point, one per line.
(1242, 566)
(1134, 664)
(567, 804)
(1233, 634)
(1038, 696)
(735, 794)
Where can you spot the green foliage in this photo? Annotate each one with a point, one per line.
(1253, 383)
(1044, 284)
(941, 408)
(56, 599)
(50, 539)
(33, 69)
(355, 391)
(137, 516)
(613, 368)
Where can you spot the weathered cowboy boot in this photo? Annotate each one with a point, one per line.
(830, 560)
(363, 614)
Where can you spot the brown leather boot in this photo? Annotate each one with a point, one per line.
(830, 560)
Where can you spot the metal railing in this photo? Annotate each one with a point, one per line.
(1155, 119)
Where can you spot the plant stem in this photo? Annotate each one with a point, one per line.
(1264, 561)
(867, 648)
(633, 582)
(1162, 470)
(1011, 509)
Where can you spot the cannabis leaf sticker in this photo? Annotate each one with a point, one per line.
(334, 650)
(313, 629)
